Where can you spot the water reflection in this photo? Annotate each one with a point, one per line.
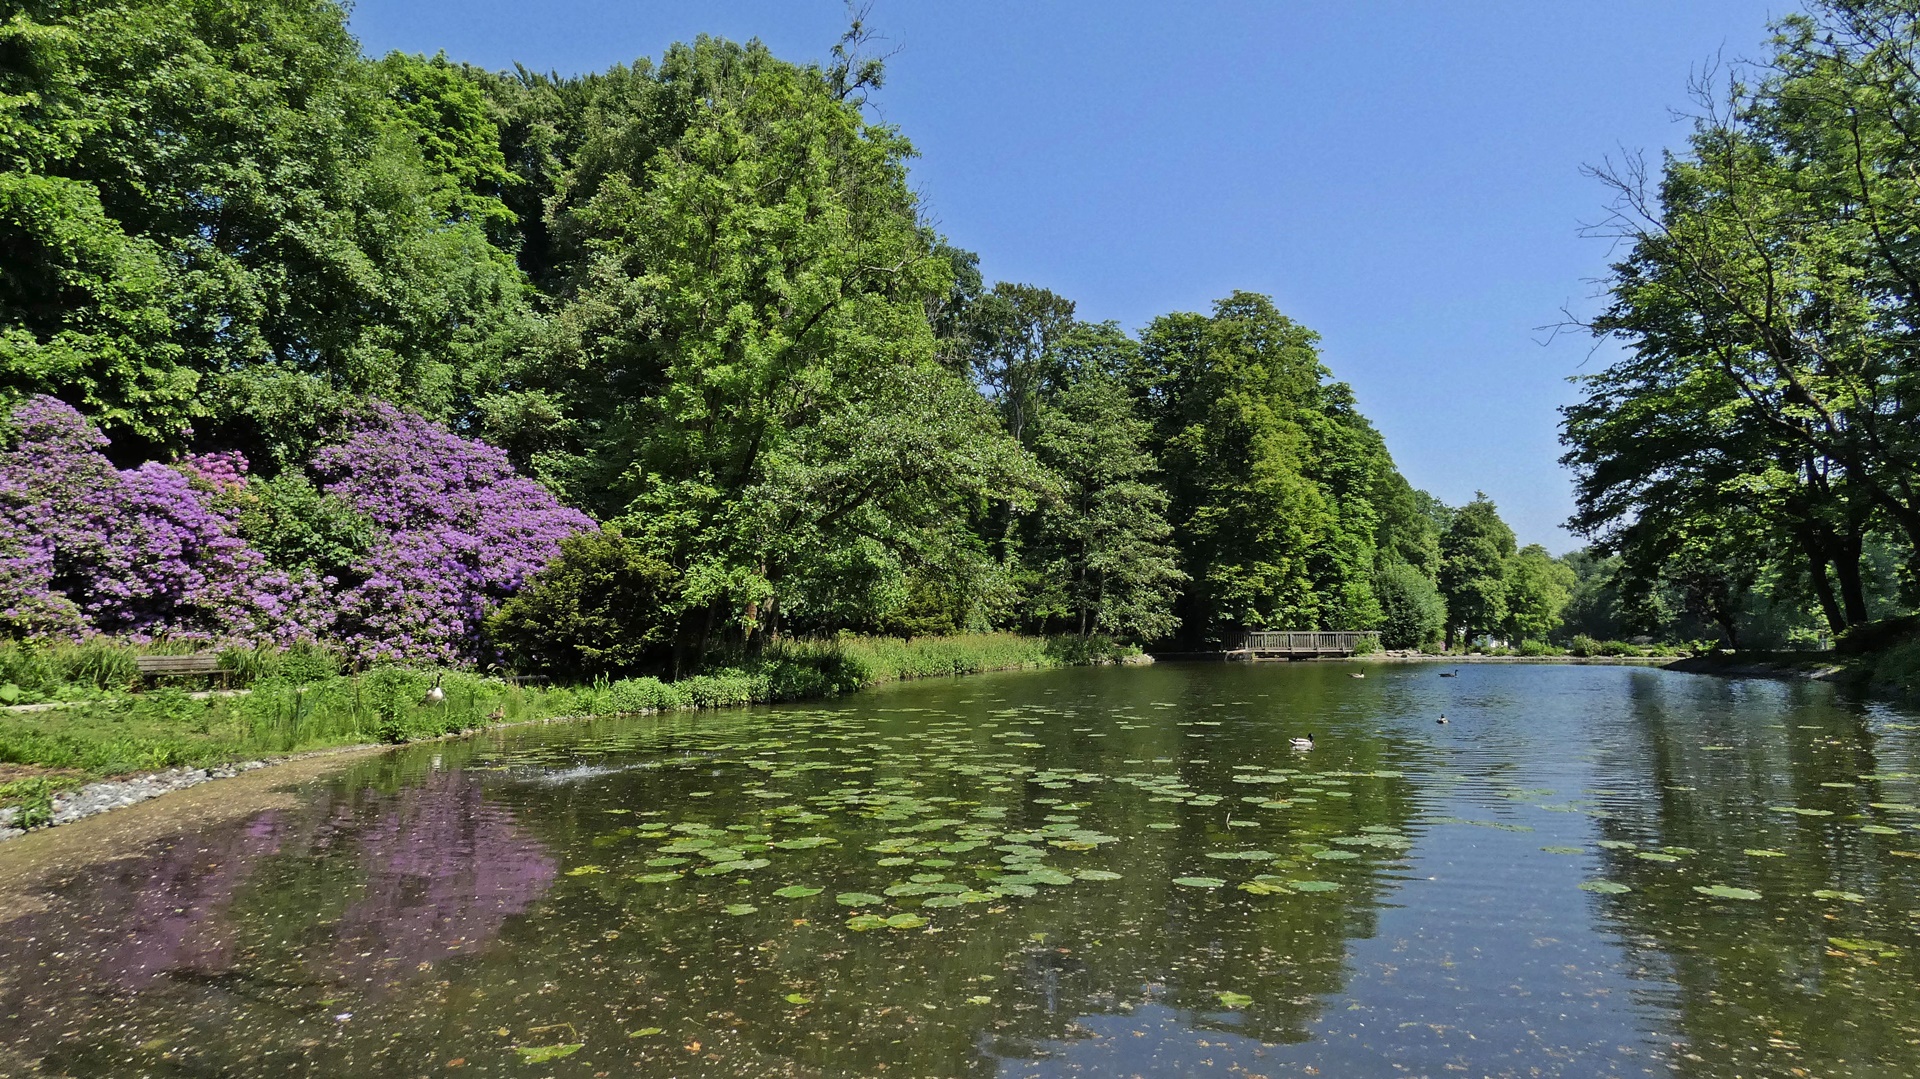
(1091, 872)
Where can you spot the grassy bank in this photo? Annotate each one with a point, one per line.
(297, 702)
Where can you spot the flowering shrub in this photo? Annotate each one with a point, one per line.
(138, 553)
(158, 550)
(457, 532)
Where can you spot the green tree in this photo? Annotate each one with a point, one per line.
(1105, 543)
(1412, 612)
(1276, 481)
(219, 215)
(1539, 587)
(740, 359)
(1473, 570)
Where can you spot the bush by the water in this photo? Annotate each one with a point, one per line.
(599, 610)
(1587, 646)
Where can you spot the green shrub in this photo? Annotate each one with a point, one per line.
(1538, 648)
(296, 527)
(1413, 609)
(64, 670)
(302, 663)
(1583, 646)
(1620, 649)
(1899, 666)
(601, 609)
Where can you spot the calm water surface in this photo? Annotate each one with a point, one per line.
(1590, 871)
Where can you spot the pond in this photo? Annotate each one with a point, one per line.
(1588, 870)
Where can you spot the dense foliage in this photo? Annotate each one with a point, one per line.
(301, 342)
(1749, 462)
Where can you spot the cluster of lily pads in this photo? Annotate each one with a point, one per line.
(944, 811)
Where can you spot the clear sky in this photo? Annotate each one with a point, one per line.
(1404, 177)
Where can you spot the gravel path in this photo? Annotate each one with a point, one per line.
(118, 793)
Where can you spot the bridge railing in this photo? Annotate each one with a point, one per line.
(1296, 640)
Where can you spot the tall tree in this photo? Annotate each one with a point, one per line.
(1539, 587)
(741, 354)
(1104, 547)
(1473, 570)
(221, 222)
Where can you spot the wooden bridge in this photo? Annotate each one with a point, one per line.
(1302, 644)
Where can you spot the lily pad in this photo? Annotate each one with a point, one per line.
(1313, 885)
(1199, 882)
(1230, 999)
(1563, 850)
(657, 878)
(905, 921)
(860, 923)
(738, 909)
(1243, 855)
(1722, 891)
(1605, 887)
(1761, 852)
(540, 1054)
(796, 891)
(586, 870)
(857, 899)
(1655, 856)
(1844, 897)
(1335, 855)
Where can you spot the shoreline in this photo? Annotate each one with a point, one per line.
(105, 795)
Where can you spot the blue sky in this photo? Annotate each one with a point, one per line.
(1404, 178)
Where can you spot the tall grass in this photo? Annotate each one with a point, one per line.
(300, 701)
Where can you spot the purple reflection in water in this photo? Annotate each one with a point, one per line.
(172, 920)
(361, 891)
(445, 870)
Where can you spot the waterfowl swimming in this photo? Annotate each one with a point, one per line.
(1357, 674)
(1302, 743)
(1455, 673)
(1442, 719)
(435, 695)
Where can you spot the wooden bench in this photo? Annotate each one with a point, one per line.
(180, 666)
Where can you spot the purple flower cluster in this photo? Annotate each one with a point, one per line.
(85, 548)
(460, 532)
(155, 551)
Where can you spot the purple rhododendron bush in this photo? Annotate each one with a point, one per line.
(157, 552)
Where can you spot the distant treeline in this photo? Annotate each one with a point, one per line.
(698, 301)
(1751, 466)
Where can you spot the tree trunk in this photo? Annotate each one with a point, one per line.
(1818, 559)
(1846, 567)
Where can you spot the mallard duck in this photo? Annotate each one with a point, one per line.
(1442, 719)
(435, 695)
(499, 713)
(1302, 743)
